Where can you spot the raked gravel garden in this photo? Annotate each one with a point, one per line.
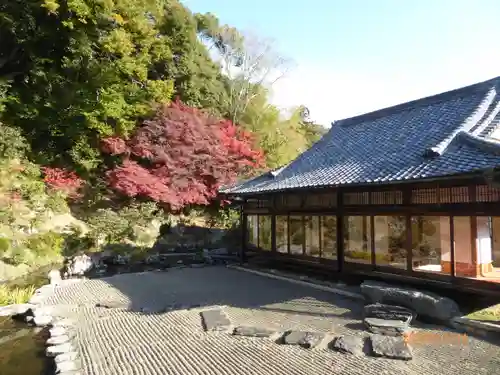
(217, 319)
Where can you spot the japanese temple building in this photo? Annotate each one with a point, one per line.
(405, 192)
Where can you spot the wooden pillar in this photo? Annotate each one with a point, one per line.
(244, 234)
(340, 230)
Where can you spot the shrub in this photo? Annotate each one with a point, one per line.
(47, 244)
(15, 295)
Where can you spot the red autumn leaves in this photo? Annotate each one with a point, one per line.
(180, 157)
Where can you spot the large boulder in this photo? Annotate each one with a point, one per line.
(424, 303)
(79, 265)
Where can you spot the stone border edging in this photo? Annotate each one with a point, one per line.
(474, 326)
(345, 293)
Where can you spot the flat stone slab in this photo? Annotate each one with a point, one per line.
(52, 351)
(386, 327)
(389, 312)
(19, 309)
(57, 340)
(42, 321)
(57, 331)
(252, 331)
(306, 340)
(65, 357)
(348, 345)
(67, 366)
(390, 347)
(214, 320)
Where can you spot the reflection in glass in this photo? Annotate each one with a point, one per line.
(312, 247)
(390, 241)
(431, 244)
(252, 230)
(462, 246)
(357, 239)
(329, 237)
(296, 235)
(495, 231)
(282, 234)
(265, 237)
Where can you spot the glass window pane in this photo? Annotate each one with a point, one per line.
(265, 232)
(296, 235)
(495, 231)
(252, 230)
(464, 265)
(357, 239)
(282, 234)
(312, 236)
(390, 241)
(329, 237)
(431, 244)
(484, 234)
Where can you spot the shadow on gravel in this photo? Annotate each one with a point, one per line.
(189, 287)
(179, 289)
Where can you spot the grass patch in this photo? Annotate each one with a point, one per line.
(490, 314)
(15, 295)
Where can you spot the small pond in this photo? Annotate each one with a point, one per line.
(22, 348)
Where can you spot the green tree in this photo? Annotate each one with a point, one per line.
(81, 69)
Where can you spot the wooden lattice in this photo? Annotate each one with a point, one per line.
(387, 197)
(486, 193)
(361, 198)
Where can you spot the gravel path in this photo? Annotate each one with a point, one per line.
(127, 341)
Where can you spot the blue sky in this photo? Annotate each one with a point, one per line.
(353, 56)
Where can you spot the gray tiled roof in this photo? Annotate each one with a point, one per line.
(438, 136)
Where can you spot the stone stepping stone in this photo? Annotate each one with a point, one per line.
(307, 340)
(65, 357)
(57, 340)
(214, 320)
(57, 331)
(52, 351)
(390, 347)
(42, 321)
(349, 345)
(252, 331)
(68, 366)
(387, 319)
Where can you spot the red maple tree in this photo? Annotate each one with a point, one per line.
(182, 156)
(63, 180)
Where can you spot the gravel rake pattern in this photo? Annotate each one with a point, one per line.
(124, 342)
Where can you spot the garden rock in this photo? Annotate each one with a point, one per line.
(57, 340)
(57, 331)
(252, 332)
(52, 351)
(65, 357)
(386, 327)
(387, 319)
(348, 345)
(79, 265)
(64, 367)
(42, 320)
(214, 320)
(18, 309)
(390, 347)
(306, 340)
(422, 302)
